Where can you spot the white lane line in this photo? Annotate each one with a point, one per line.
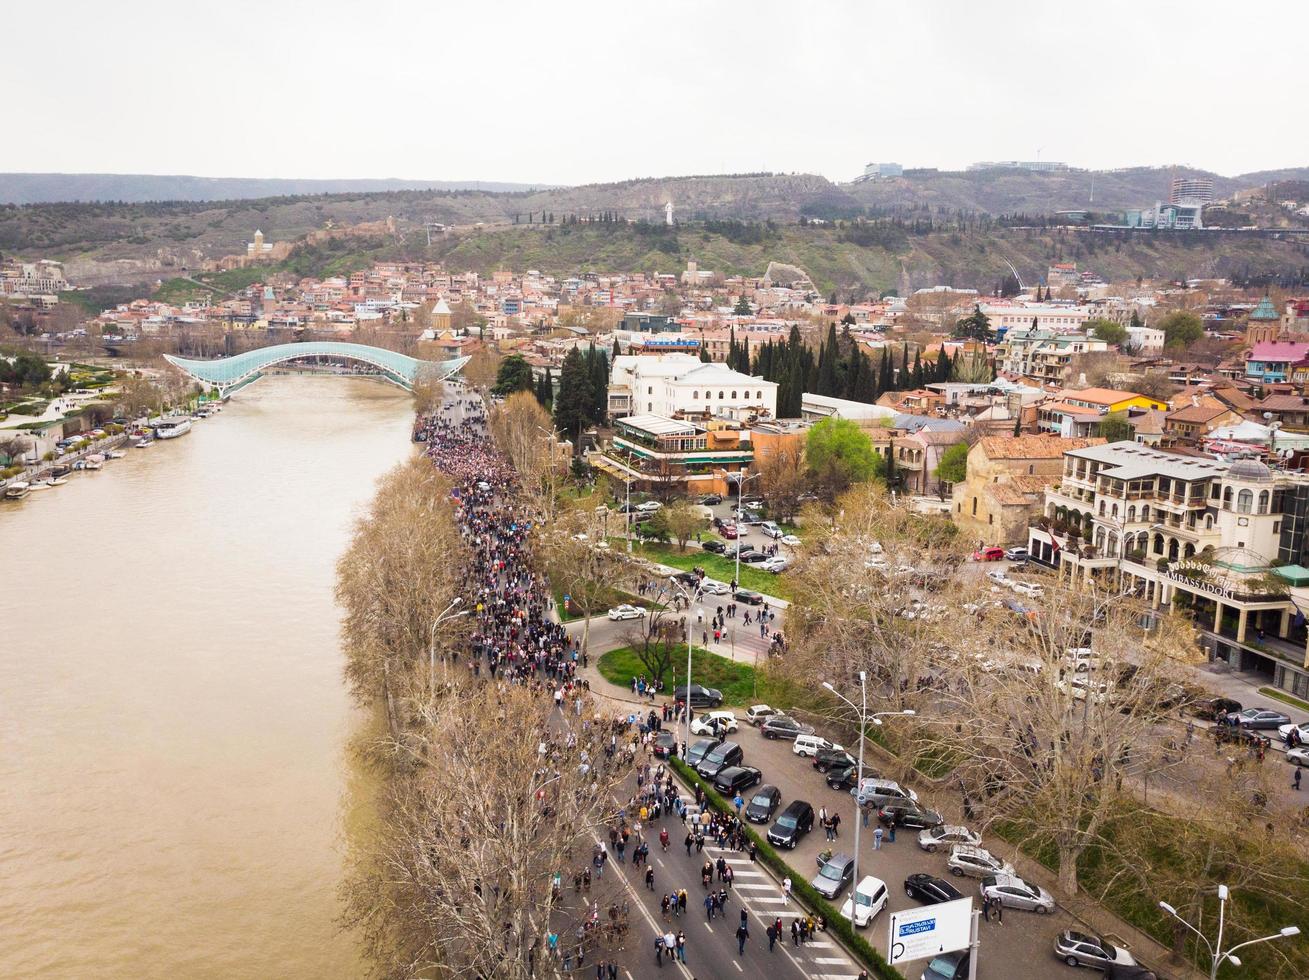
(769, 899)
(829, 959)
(752, 885)
(738, 966)
(821, 944)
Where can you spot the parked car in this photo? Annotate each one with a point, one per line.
(1302, 730)
(784, 726)
(701, 696)
(771, 529)
(685, 578)
(720, 757)
(1216, 708)
(711, 499)
(845, 777)
(728, 531)
(1016, 554)
(976, 862)
(714, 547)
(930, 890)
(808, 744)
(948, 966)
(1030, 589)
(909, 815)
(1013, 893)
(698, 750)
(665, 744)
(713, 587)
(988, 554)
(1079, 949)
(763, 804)
(880, 792)
(869, 898)
(757, 714)
(776, 564)
(947, 835)
(755, 558)
(796, 821)
(626, 612)
(790, 540)
(649, 507)
(714, 723)
(998, 577)
(749, 597)
(1260, 718)
(737, 779)
(835, 873)
(833, 758)
(1298, 756)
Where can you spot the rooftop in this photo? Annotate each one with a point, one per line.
(1032, 447)
(1131, 461)
(657, 425)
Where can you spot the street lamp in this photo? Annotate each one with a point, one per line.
(864, 719)
(1216, 952)
(691, 600)
(741, 480)
(431, 646)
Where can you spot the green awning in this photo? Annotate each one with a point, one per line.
(1295, 574)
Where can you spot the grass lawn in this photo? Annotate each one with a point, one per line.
(718, 567)
(1285, 698)
(616, 597)
(740, 683)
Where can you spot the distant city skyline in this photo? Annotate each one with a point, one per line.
(588, 92)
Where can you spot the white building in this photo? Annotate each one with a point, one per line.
(1039, 316)
(41, 278)
(1145, 339)
(681, 385)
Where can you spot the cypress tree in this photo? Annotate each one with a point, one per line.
(544, 390)
(885, 380)
(797, 386)
(853, 377)
(573, 405)
(955, 363)
(867, 391)
(942, 372)
(599, 386)
(918, 369)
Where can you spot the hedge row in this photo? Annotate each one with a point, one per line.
(836, 922)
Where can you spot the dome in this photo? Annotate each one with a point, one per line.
(1250, 470)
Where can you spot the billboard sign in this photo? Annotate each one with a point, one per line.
(922, 932)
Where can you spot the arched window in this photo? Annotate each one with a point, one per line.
(1113, 511)
(733, 396)
(1208, 521)
(695, 396)
(1102, 508)
(1131, 514)
(759, 396)
(1227, 498)
(1158, 544)
(1263, 502)
(1243, 501)
(720, 396)
(1189, 551)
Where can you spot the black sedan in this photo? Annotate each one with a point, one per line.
(749, 597)
(665, 744)
(763, 804)
(909, 814)
(1215, 709)
(716, 547)
(735, 779)
(709, 499)
(754, 557)
(701, 697)
(930, 890)
(1258, 718)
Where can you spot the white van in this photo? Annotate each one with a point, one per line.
(807, 745)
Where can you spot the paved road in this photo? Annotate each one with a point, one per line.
(711, 946)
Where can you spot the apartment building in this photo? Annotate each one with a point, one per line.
(1043, 355)
(1193, 533)
(680, 385)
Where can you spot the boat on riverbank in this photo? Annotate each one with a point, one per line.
(115, 454)
(144, 443)
(171, 428)
(17, 491)
(38, 485)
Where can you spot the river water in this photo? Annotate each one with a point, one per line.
(175, 784)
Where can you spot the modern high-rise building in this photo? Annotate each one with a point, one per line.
(1191, 190)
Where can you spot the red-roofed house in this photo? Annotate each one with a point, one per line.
(1271, 361)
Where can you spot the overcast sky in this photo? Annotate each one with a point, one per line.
(574, 92)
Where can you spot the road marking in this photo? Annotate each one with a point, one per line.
(738, 966)
(821, 944)
(829, 959)
(770, 899)
(754, 885)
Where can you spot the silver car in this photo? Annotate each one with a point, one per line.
(947, 835)
(834, 875)
(1014, 893)
(1079, 949)
(976, 862)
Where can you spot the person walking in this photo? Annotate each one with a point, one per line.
(649, 877)
(786, 890)
(986, 907)
(742, 934)
(795, 933)
(890, 831)
(771, 933)
(1295, 780)
(681, 946)
(877, 839)
(999, 911)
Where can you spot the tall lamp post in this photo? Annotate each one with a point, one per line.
(1216, 952)
(741, 481)
(691, 600)
(864, 719)
(444, 617)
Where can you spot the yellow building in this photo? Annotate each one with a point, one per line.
(1109, 400)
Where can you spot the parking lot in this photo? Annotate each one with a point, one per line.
(1019, 948)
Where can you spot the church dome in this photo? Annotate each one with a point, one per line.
(1250, 470)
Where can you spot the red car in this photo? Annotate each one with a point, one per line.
(728, 531)
(988, 554)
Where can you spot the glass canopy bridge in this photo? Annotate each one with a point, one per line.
(229, 374)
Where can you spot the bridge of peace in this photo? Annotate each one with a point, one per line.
(229, 374)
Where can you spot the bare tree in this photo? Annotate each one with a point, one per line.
(525, 434)
(483, 363)
(579, 562)
(394, 581)
(783, 478)
(681, 520)
(428, 391)
(498, 799)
